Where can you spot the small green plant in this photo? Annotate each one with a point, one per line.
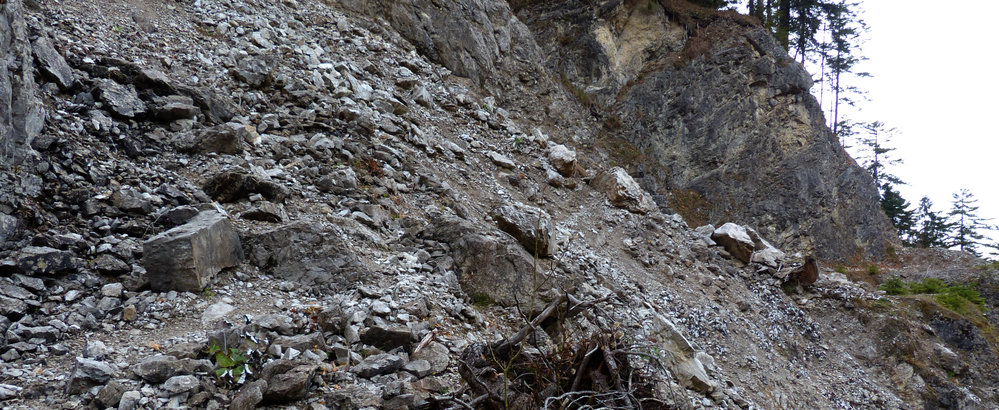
(894, 286)
(840, 269)
(873, 270)
(117, 29)
(229, 362)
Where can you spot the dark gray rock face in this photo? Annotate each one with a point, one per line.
(188, 256)
(22, 114)
(735, 124)
(753, 143)
(473, 39)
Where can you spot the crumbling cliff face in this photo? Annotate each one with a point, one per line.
(235, 203)
(723, 118)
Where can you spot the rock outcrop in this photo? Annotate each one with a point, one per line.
(720, 111)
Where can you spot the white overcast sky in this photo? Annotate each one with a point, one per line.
(935, 69)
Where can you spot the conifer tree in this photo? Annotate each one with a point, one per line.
(932, 229)
(968, 226)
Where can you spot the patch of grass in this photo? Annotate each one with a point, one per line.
(873, 270)
(957, 297)
(840, 269)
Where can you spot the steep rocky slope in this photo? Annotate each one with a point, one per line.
(407, 190)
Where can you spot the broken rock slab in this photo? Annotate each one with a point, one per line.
(736, 240)
(532, 227)
(187, 257)
(122, 100)
(562, 159)
(52, 64)
(623, 191)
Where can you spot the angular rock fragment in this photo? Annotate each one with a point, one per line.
(173, 107)
(501, 160)
(532, 227)
(249, 396)
(8, 226)
(375, 365)
(287, 380)
(52, 64)
(86, 374)
(736, 240)
(187, 257)
(180, 384)
(338, 181)
(122, 100)
(562, 159)
(40, 260)
(265, 211)
(623, 191)
(234, 185)
(387, 337)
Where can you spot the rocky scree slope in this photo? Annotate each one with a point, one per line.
(723, 119)
(393, 220)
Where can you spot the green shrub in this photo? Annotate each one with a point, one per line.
(840, 269)
(928, 285)
(894, 286)
(873, 269)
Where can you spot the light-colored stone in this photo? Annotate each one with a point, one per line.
(623, 191)
(562, 159)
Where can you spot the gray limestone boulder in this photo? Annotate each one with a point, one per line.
(378, 364)
(122, 100)
(187, 257)
(308, 254)
(623, 191)
(287, 380)
(532, 227)
(490, 265)
(736, 240)
(86, 374)
(562, 159)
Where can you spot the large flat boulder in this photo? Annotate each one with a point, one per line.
(532, 227)
(623, 191)
(187, 257)
(736, 240)
(52, 64)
